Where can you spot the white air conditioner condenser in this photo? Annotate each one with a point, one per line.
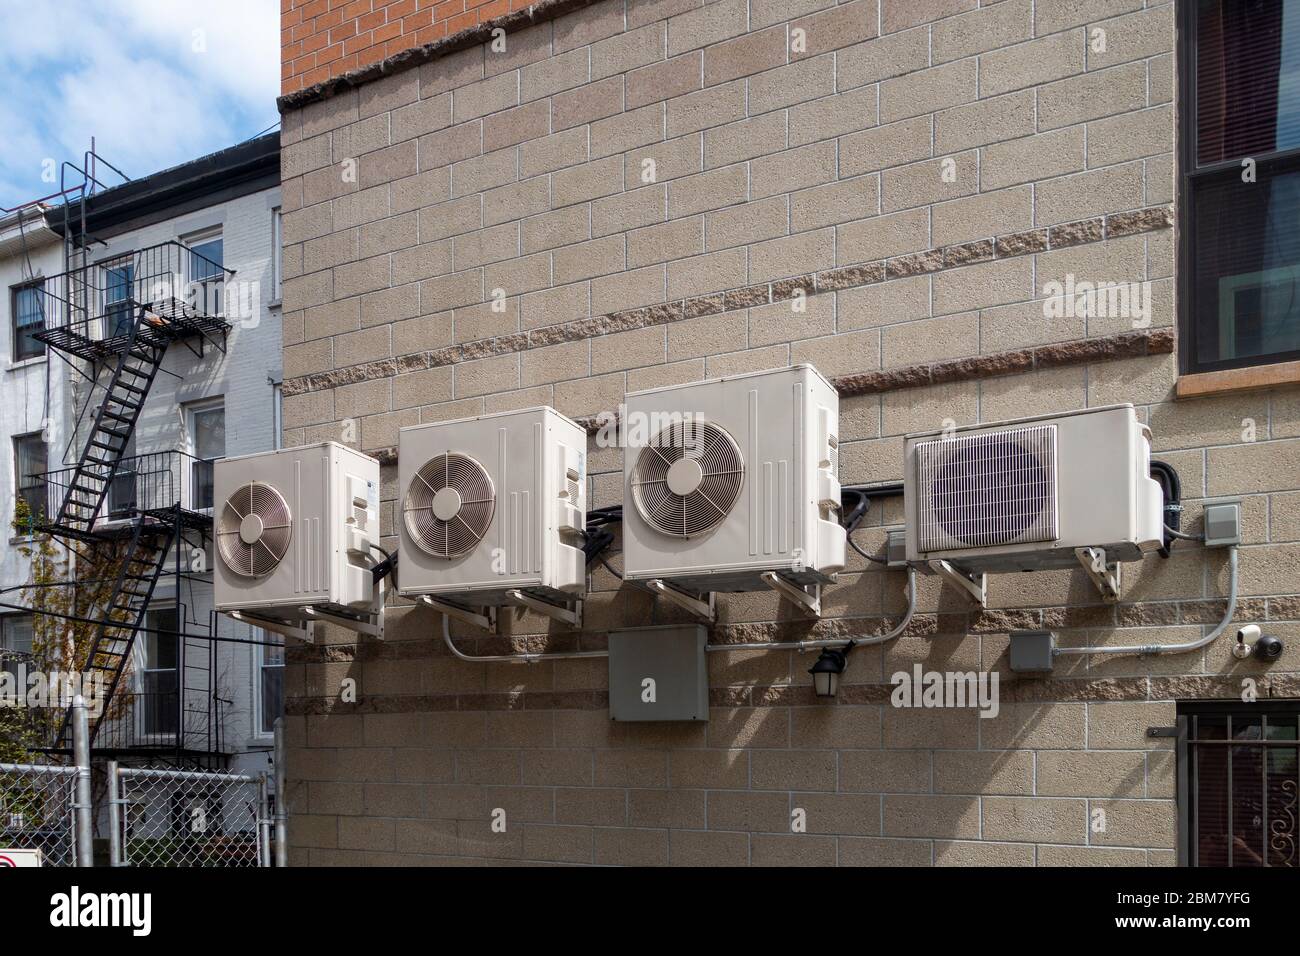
(727, 479)
(293, 528)
(493, 504)
(1023, 495)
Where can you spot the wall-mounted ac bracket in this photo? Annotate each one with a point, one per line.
(371, 625)
(705, 611)
(1107, 579)
(484, 619)
(973, 584)
(301, 630)
(806, 600)
(566, 614)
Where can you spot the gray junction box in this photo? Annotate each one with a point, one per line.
(658, 673)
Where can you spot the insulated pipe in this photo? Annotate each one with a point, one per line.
(525, 657)
(1176, 648)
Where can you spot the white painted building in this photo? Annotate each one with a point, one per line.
(214, 395)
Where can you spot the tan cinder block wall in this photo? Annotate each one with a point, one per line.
(648, 183)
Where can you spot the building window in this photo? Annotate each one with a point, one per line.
(205, 427)
(29, 471)
(1241, 183)
(207, 277)
(15, 641)
(277, 261)
(269, 686)
(122, 488)
(119, 294)
(159, 707)
(1238, 783)
(28, 319)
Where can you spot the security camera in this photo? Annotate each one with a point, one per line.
(1268, 648)
(1245, 645)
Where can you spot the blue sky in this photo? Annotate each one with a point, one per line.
(156, 82)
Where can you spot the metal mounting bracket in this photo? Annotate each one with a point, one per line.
(485, 619)
(1105, 576)
(705, 611)
(810, 602)
(556, 612)
(372, 625)
(302, 630)
(973, 584)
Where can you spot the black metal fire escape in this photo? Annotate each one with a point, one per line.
(114, 321)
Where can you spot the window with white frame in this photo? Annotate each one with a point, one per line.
(29, 467)
(207, 275)
(28, 319)
(15, 641)
(159, 708)
(205, 430)
(119, 292)
(268, 685)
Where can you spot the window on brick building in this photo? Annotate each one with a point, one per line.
(1240, 196)
(1237, 784)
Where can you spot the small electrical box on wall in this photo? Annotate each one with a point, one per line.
(658, 673)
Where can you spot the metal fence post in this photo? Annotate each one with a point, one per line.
(82, 810)
(263, 820)
(114, 815)
(281, 798)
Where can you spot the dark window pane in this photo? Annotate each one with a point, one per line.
(1247, 78)
(28, 320)
(1211, 806)
(1246, 266)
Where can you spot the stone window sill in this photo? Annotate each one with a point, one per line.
(1238, 379)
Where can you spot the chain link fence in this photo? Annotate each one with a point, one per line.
(188, 818)
(38, 805)
(154, 817)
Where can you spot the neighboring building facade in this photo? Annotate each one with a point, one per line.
(649, 183)
(31, 395)
(214, 220)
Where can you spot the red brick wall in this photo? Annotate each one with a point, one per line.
(320, 39)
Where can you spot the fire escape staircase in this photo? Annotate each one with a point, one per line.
(150, 308)
(110, 436)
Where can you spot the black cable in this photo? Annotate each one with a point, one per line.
(854, 517)
(1171, 487)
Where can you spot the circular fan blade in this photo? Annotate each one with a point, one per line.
(269, 534)
(706, 496)
(467, 518)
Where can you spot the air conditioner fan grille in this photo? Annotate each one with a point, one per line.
(709, 492)
(253, 530)
(449, 531)
(988, 489)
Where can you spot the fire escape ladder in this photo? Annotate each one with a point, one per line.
(122, 616)
(110, 435)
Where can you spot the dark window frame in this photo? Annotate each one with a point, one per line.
(16, 355)
(1186, 770)
(19, 475)
(1187, 173)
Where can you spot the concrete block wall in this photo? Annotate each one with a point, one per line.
(647, 189)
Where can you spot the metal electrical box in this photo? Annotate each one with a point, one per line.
(1032, 651)
(658, 673)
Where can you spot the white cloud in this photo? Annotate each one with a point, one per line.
(156, 82)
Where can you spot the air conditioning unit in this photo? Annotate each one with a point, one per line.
(731, 479)
(294, 529)
(1029, 494)
(493, 505)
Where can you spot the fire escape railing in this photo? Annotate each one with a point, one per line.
(90, 311)
(119, 315)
